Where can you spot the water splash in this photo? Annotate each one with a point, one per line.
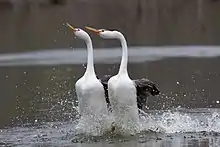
(182, 122)
(159, 122)
(168, 121)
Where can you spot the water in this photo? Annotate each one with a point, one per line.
(107, 56)
(195, 127)
(38, 105)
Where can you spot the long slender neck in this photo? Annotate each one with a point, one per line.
(124, 60)
(90, 65)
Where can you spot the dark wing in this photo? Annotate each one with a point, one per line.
(104, 81)
(144, 89)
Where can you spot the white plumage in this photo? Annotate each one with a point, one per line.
(89, 90)
(122, 96)
(121, 89)
(90, 95)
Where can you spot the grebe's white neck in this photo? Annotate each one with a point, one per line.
(90, 64)
(124, 60)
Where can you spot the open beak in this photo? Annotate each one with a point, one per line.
(93, 30)
(71, 27)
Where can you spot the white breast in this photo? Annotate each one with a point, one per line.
(91, 97)
(123, 98)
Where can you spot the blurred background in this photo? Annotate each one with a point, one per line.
(35, 93)
(38, 24)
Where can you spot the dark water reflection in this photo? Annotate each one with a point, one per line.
(41, 94)
(30, 92)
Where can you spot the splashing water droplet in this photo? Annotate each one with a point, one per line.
(84, 66)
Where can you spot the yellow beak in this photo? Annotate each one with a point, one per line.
(93, 30)
(71, 27)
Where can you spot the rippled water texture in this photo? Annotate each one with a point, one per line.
(39, 107)
(159, 128)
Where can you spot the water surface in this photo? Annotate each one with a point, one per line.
(38, 103)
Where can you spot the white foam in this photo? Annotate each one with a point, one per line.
(173, 122)
(177, 122)
(189, 121)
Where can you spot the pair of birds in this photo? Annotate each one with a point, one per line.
(123, 95)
